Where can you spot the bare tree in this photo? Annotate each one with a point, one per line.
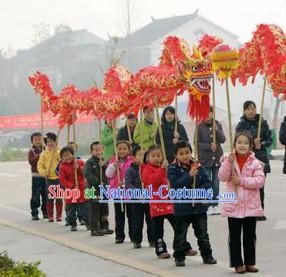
(42, 32)
(61, 28)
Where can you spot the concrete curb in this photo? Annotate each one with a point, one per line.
(147, 268)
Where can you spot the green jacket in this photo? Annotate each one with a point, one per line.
(107, 141)
(147, 132)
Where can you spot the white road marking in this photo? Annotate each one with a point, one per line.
(4, 174)
(280, 225)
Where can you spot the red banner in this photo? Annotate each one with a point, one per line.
(33, 121)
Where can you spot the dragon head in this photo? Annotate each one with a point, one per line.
(196, 73)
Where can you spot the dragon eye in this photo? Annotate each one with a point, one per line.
(195, 68)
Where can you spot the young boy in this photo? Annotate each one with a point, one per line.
(74, 146)
(68, 180)
(181, 175)
(133, 181)
(39, 191)
(47, 164)
(98, 212)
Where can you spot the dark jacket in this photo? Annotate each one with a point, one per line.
(179, 178)
(33, 157)
(92, 173)
(251, 126)
(205, 138)
(282, 139)
(123, 134)
(168, 135)
(132, 177)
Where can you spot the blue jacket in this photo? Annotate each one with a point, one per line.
(179, 178)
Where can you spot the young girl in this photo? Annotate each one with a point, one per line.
(140, 209)
(246, 179)
(171, 137)
(154, 174)
(122, 164)
(249, 123)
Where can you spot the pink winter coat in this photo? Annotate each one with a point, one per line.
(251, 180)
(112, 174)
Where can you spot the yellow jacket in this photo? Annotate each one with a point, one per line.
(45, 162)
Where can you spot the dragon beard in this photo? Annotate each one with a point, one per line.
(199, 100)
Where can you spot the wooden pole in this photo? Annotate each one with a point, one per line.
(229, 115)
(195, 155)
(75, 154)
(128, 131)
(140, 127)
(42, 123)
(214, 111)
(68, 134)
(160, 131)
(176, 113)
(100, 141)
(261, 108)
(116, 157)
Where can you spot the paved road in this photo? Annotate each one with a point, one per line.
(69, 254)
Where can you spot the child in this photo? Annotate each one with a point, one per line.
(68, 180)
(154, 174)
(133, 181)
(98, 212)
(249, 123)
(74, 146)
(145, 131)
(181, 175)
(107, 140)
(210, 154)
(171, 137)
(39, 191)
(246, 180)
(47, 164)
(121, 165)
(123, 132)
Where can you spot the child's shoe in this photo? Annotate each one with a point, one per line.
(191, 252)
(240, 269)
(73, 228)
(251, 268)
(209, 260)
(119, 241)
(51, 219)
(136, 245)
(96, 233)
(35, 217)
(59, 219)
(107, 231)
(164, 255)
(180, 262)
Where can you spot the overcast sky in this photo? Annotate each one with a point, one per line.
(107, 16)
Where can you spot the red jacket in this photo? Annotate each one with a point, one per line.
(67, 179)
(157, 177)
